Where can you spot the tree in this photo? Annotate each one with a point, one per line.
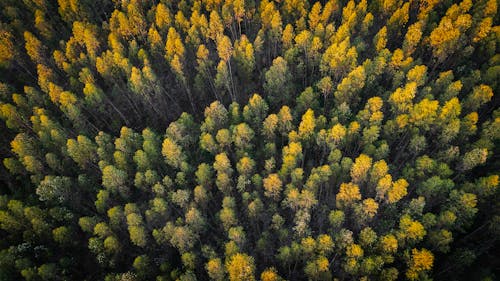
(142, 265)
(54, 188)
(285, 120)
(225, 51)
(292, 154)
(240, 267)
(417, 74)
(272, 186)
(215, 269)
(444, 39)
(411, 230)
(397, 191)
(480, 95)
(113, 178)
(163, 17)
(216, 117)
(243, 136)
(278, 84)
(420, 262)
(401, 99)
(473, 158)
(307, 99)
(173, 153)
(82, 150)
(255, 111)
(325, 85)
(307, 125)
(222, 165)
(136, 230)
(269, 274)
(62, 235)
(215, 28)
(339, 59)
(349, 87)
(269, 127)
(34, 47)
(374, 136)
(360, 169)
(287, 36)
(318, 269)
(204, 174)
(389, 243)
(244, 57)
(399, 17)
(347, 195)
(380, 40)
(6, 48)
(195, 220)
(412, 38)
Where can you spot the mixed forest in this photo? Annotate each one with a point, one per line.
(249, 140)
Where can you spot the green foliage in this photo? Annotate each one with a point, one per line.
(232, 140)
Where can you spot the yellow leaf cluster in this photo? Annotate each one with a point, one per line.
(354, 251)
(348, 193)
(240, 267)
(272, 186)
(360, 168)
(307, 125)
(397, 191)
(421, 260)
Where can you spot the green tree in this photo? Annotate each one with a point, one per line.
(278, 84)
(82, 150)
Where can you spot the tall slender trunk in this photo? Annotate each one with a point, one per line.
(233, 90)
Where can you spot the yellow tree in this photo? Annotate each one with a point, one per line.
(351, 85)
(397, 191)
(215, 27)
(360, 168)
(34, 47)
(225, 51)
(399, 18)
(401, 99)
(417, 74)
(325, 85)
(347, 195)
(339, 59)
(272, 187)
(7, 50)
(270, 274)
(174, 45)
(307, 125)
(287, 37)
(410, 230)
(292, 154)
(163, 17)
(269, 127)
(380, 39)
(314, 16)
(172, 152)
(240, 267)
(445, 38)
(424, 113)
(412, 38)
(482, 29)
(244, 57)
(215, 269)
(480, 95)
(420, 262)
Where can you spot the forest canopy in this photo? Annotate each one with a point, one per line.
(249, 140)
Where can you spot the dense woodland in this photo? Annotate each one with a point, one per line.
(249, 140)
